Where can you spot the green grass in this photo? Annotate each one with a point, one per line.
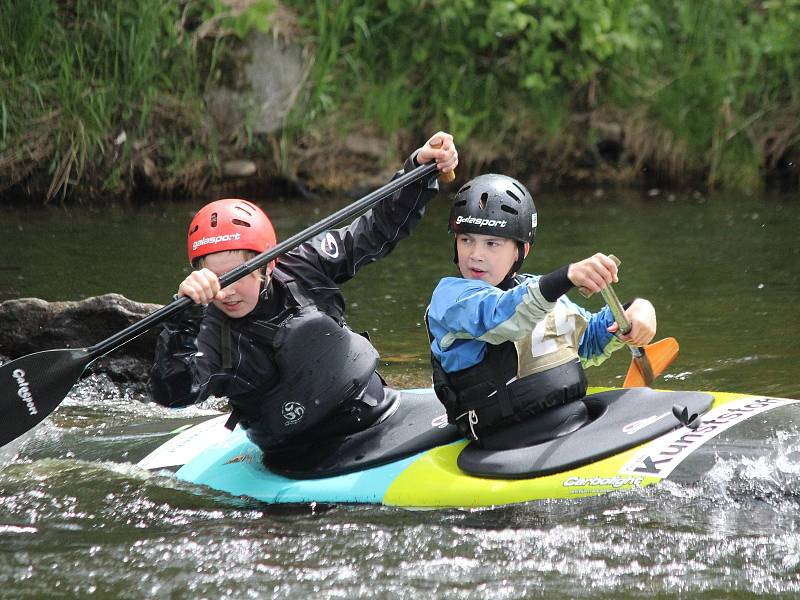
(77, 74)
(710, 79)
(702, 91)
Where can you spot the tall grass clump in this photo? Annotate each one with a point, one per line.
(79, 76)
(98, 92)
(486, 70)
(700, 89)
(103, 94)
(717, 83)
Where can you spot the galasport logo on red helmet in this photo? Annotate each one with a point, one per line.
(229, 224)
(230, 237)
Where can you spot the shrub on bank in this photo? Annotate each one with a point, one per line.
(687, 91)
(106, 95)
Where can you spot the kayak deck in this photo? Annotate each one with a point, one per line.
(229, 462)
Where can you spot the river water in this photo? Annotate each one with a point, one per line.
(724, 274)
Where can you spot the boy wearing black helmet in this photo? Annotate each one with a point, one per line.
(506, 347)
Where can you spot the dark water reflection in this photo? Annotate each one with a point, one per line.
(724, 274)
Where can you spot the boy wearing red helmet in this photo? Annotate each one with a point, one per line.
(508, 348)
(221, 235)
(275, 343)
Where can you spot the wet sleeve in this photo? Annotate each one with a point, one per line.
(340, 253)
(174, 368)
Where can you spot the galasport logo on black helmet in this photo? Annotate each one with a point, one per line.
(495, 205)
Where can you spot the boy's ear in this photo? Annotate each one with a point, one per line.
(527, 249)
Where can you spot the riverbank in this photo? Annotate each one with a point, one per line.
(110, 100)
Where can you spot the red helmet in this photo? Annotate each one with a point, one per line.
(229, 224)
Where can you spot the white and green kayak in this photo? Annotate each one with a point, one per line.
(634, 438)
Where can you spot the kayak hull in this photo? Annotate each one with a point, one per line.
(207, 454)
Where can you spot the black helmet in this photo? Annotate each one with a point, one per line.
(494, 205)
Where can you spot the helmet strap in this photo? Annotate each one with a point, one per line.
(509, 280)
(518, 263)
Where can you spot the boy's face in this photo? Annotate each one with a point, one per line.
(485, 257)
(240, 297)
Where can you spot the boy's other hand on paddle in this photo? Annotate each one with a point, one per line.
(642, 318)
(441, 148)
(593, 274)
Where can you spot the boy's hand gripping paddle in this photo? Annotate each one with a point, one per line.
(648, 362)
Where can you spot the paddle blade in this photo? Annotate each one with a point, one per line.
(32, 386)
(660, 354)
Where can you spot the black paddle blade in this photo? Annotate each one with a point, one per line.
(32, 386)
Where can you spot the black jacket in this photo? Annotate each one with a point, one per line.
(189, 361)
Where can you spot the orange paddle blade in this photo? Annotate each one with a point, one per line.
(660, 354)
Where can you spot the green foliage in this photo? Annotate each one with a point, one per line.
(239, 18)
(706, 87)
(717, 75)
(75, 75)
(461, 60)
(706, 75)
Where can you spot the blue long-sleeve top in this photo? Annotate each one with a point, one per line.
(466, 314)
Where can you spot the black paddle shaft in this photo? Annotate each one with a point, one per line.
(32, 386)
(176, 306)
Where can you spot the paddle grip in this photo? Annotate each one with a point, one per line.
(444, 177)
(610, 296)
(639, 356)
